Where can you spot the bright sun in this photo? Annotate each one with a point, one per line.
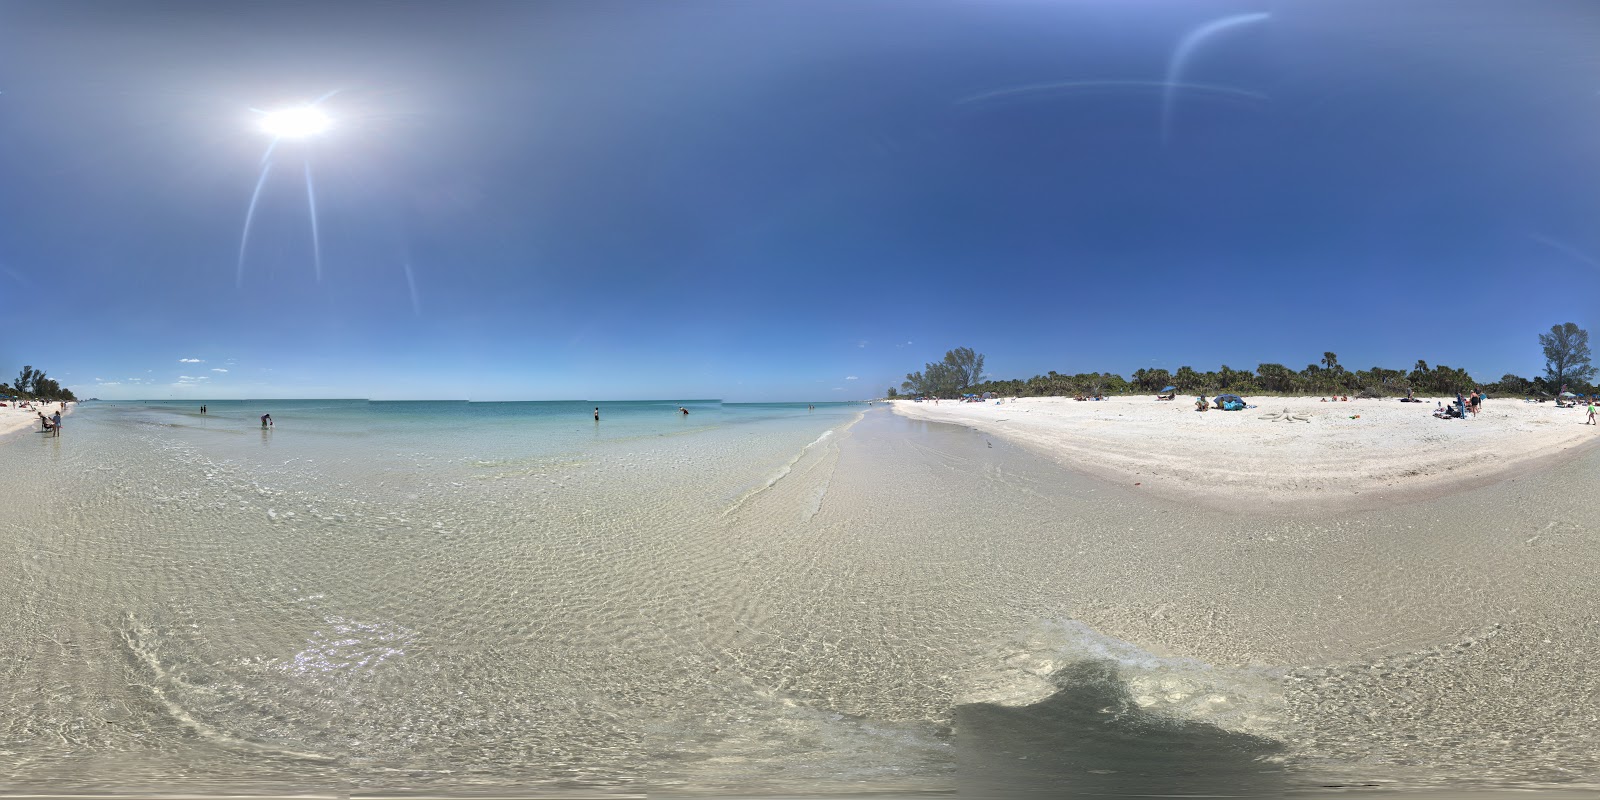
(295, 123)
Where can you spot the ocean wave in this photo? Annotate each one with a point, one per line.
(788, 466)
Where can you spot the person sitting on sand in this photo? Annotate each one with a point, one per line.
(1200, 403)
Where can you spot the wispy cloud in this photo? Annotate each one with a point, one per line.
(851, 378)
(838, 388)
(1565, 248)
(218, 369)
(191, 361)
(108, 383)
(862, 343)
(16, 276)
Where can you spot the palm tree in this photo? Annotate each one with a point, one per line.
(1186, 379)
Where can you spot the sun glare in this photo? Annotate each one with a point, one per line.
(295, 123)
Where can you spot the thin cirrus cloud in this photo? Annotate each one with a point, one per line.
(218, 369)
(851, 378)
(191, 361)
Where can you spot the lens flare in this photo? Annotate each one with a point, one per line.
(1180, 58)
(295, 123)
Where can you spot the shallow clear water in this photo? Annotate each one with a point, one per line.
(455, 598)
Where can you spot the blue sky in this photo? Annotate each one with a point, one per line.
(785, 200)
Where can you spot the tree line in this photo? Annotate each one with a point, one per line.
(31, 384)
(1566, 352)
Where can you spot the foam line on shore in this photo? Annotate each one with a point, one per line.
(783, 471)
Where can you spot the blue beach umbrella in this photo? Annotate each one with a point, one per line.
(1169, 389)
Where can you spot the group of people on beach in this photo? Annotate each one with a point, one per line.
(51, 424)
(1462, 408)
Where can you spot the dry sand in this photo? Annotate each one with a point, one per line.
(1349, 455)
(16, 419)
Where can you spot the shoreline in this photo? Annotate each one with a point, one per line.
(1351, 456)
(13, 419)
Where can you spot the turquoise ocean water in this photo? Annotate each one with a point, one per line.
(509, 598)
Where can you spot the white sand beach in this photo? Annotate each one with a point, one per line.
(14, 419)
(1349, 455)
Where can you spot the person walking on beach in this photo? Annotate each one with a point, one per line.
(1590, 420)
(266, 420)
